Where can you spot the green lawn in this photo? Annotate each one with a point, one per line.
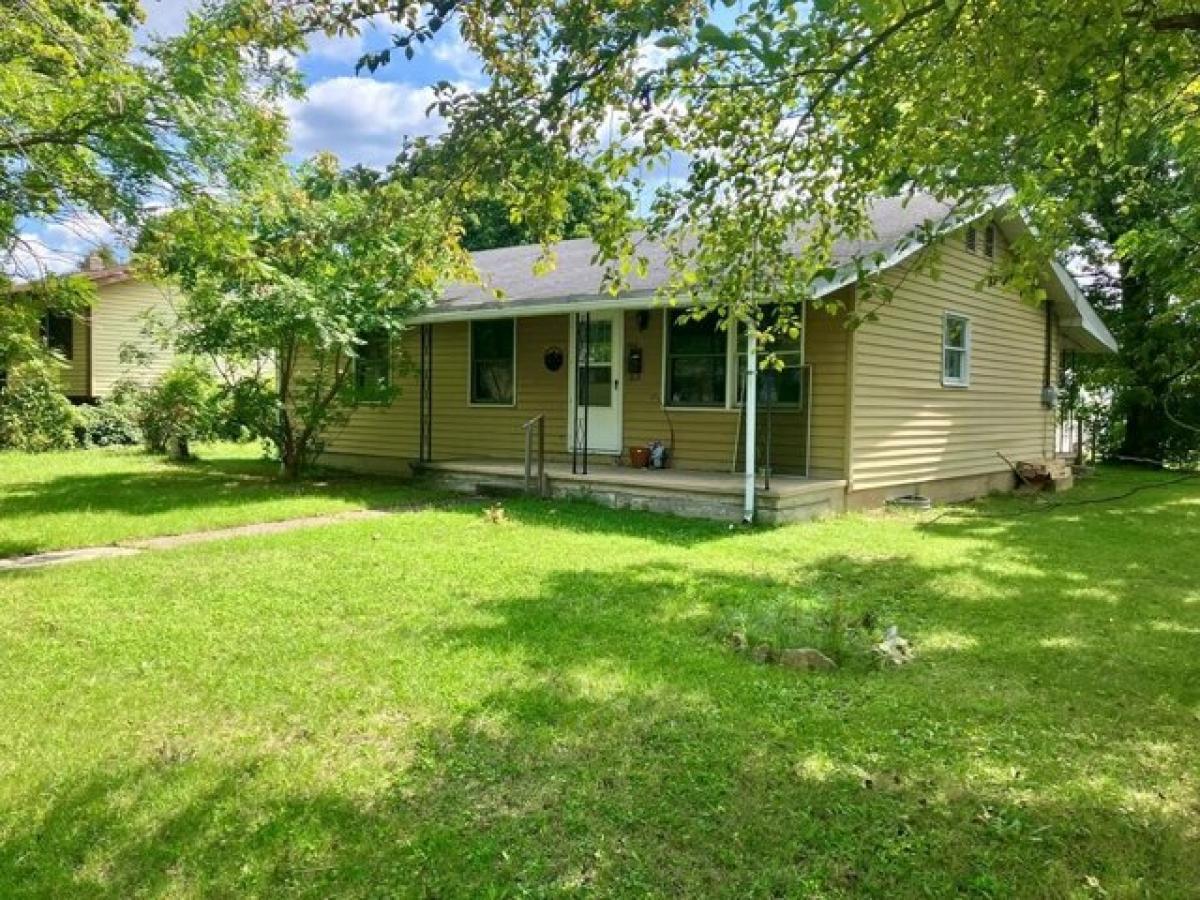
(434, 705)
(75, 499)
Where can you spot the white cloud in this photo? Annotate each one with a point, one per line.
(167, 18)
(375, 33)
(360, 119)
(651, 57)
(452, 51)
(59, 246)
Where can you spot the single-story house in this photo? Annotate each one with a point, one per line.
(94, 345)
(951, 373)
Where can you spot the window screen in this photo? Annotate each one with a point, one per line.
(783, 387)
(493, 362)
(696, 362)
(956, 350)
(372, 368)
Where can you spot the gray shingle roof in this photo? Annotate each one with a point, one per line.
(577, 276)
(577, 279)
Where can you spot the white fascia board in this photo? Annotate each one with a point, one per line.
(894, 254)
(634, 300)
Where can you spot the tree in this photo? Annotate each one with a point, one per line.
(298, 274)
(490, 222)
(1133, 242)
(491, 215)
(790, 113)
(95, 126)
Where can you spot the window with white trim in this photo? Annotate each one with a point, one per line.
(697, 362)
(783, 387)
(956, 350)
(494, 362)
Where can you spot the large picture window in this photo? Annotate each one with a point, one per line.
(373, 367)
(956, 350)
(697, 361)
(58, 331)
(493, 362)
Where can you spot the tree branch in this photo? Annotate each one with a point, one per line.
(1179, 22)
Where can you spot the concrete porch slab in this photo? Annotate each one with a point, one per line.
(695, 494)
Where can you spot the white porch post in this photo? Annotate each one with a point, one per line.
(750, 405)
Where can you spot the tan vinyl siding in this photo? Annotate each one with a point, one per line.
(386, 429)
(826, 350)
(907, 427)
(461, 430)
(74, 375)
(118, 319)
(703, 439)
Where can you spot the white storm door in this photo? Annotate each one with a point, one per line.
(595, 380)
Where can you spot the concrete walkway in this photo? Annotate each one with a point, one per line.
(166, 542)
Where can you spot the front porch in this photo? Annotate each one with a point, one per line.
(696, 494)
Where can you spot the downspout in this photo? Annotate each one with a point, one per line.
(1049, 393)
(751, 406)
(1048, 361)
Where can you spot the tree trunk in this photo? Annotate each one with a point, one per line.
(1145, 434)
(289, 456)
(177, 448)
(1146, 430)
(291, 467)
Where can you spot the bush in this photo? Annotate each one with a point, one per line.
(181, 407)
(247, 409)
(34, 414)
(110, 423)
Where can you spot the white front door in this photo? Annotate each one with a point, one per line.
(595, 381)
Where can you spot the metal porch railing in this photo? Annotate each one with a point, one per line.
(538, 424)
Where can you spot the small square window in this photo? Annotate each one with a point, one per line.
(373, 367)
(956, 350)
(493, 362)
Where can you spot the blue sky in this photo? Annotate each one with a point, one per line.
(362, 118)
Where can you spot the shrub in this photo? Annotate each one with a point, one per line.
(110, 423)
(179, 408)
(34, 414)
(247, 409)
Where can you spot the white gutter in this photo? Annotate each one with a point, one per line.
(750, 405)
(1088, 328)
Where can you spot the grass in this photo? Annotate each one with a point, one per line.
(434, 705)
(73, 499)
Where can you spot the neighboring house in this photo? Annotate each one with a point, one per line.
(91, 343)
(923, 399)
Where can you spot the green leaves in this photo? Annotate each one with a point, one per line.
(94, 129)
(713, 36)
(295, 269)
